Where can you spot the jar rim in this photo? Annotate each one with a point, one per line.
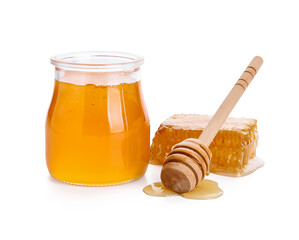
(97, 60)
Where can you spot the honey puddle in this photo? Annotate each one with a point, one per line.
(207, 189)
(157, 189)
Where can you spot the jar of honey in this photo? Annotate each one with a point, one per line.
(97, 127)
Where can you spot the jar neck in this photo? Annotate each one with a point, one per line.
(97, 78)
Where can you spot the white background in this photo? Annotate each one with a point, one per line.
(194, 52)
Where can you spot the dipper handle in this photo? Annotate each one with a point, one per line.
(230, 101)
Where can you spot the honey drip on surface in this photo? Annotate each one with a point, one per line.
(207, 189)
(157, 189)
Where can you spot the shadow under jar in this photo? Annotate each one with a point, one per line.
(97, 127)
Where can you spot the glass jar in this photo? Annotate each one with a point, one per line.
(97, 128)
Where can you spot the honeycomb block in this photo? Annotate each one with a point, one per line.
(233, 148)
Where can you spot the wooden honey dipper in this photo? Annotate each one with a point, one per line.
(188, 162)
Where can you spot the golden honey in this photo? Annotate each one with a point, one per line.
(233, 149)
(97, 127)
(97, 134)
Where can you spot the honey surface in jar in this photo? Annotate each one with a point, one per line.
(233, 149)
(97, 135)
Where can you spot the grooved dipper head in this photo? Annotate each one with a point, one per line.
(185, 166)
